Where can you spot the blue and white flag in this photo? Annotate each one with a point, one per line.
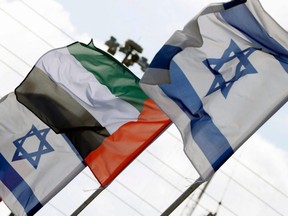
(220, 79)
(35, 163)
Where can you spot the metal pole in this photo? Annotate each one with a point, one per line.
(199, 197)
(88, 201)
(181, 198)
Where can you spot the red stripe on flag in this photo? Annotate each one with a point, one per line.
(124, 145)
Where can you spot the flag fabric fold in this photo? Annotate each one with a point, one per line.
(36, 163)
(220, 78)
(97, 102)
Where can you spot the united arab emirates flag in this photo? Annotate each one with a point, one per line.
(85, 93)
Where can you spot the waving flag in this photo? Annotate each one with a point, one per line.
(97, 102)
(35, 163)
(220, 79)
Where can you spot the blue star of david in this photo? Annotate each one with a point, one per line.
(32, 157)
(243, 68)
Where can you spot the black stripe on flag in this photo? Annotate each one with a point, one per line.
(60, 111)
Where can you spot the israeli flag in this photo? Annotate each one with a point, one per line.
(220, 79)
(35, 163)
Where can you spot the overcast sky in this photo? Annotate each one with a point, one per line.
(253, 182)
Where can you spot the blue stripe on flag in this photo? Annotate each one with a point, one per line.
(164, 56)
(20, 189)
(283, 62)
(207, 136)
(73, 148)
(233, 3)
(242, 19)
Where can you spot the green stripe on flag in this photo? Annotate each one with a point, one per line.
(108, 71)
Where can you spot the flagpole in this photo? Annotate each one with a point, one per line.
(199, 197)
(101, 188)
(182, 197)
(88, 201)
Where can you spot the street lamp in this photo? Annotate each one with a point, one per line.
(112, 45)
(143, 63)
(131, 50)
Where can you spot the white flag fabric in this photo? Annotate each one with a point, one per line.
(220, 79)
(35, 162)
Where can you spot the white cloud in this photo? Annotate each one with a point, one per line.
(26, 36)
(260, 179)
